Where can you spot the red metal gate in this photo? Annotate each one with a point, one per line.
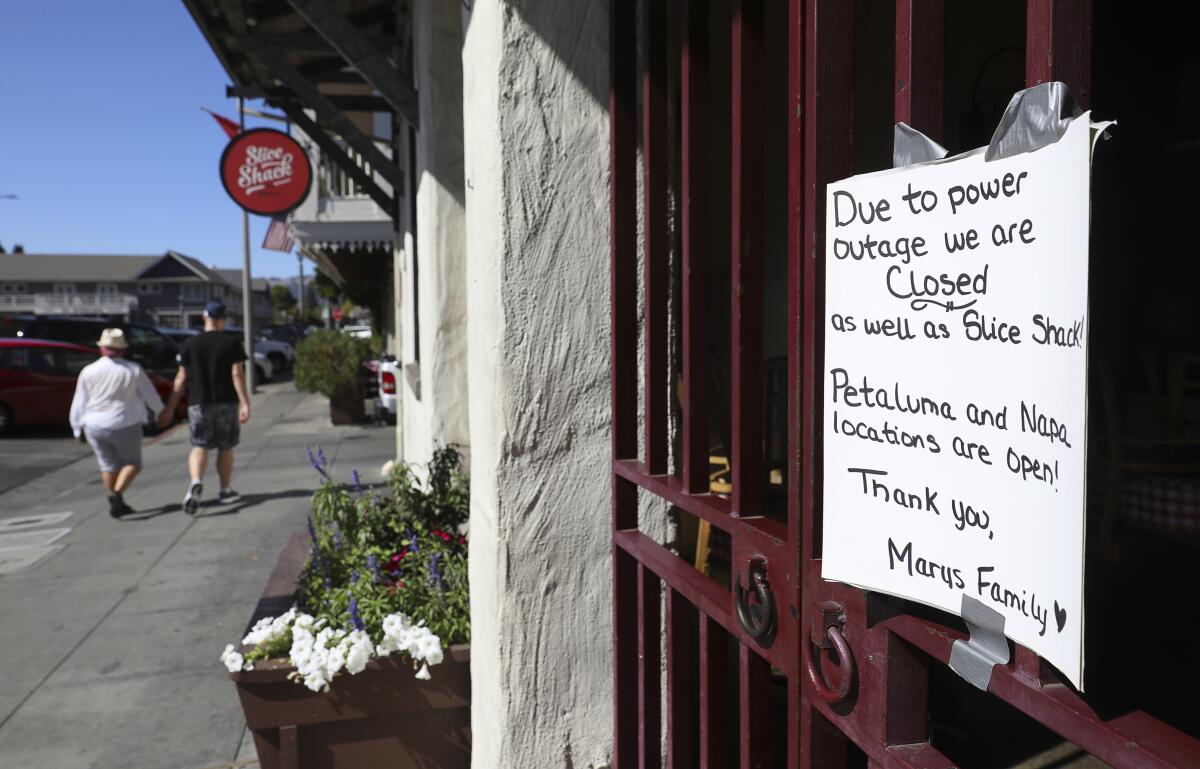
(851, 683)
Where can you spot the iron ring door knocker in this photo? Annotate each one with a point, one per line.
(827, 634)
(759, 620)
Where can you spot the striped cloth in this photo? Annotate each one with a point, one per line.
(279, 236)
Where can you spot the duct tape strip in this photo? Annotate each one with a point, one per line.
(1034, 118)
(974, 658)
(910, 146)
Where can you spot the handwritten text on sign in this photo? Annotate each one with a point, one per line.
(955, 387)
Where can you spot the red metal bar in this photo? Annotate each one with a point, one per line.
(700, 591)
(746, 258)
(694, 94)
(649, 638)
(760, 533)
(706, 595)
(828, 57)
(1132, 741)
(921, 65)
(714, 723)
(622, 110)
(622, 103)
(828, 151)
(825, 746)
(625, 659)
(754, 714)
(906, 705)
(654, 190)
(1058, 45)
(683, 696)
(795, 217)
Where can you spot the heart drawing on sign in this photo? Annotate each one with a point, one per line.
(1060, 616)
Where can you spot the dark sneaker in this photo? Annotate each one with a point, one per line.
(126, 509)
(228, 496)
(116, 505)
(191, 500)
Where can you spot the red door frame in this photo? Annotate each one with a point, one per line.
(883, 705)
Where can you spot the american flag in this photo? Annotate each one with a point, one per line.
(279, 236)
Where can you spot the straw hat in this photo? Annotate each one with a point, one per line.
(114, 338)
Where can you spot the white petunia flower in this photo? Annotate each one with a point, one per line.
(423, 673)
(233, 661)
(359, 652)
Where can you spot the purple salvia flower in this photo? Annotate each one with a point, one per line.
(355, 619)
(373, 565)
(434, 572)
(321, 455)
(353, 577)
(412, 540)
(357, 482)
(317, 462)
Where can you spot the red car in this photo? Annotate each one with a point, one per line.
(37, 381)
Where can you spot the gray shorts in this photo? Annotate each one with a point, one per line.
(116, 448)
(215, 426)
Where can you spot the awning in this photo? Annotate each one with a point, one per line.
(345, 236)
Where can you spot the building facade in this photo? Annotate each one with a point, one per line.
(168, 290)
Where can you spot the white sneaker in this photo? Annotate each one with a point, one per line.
(191, 500)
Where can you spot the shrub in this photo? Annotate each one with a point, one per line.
(330, 363)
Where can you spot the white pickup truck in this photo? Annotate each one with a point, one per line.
(387, 377)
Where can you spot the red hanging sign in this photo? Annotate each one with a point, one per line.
(266, 171)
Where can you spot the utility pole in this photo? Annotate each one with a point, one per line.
(247, 303)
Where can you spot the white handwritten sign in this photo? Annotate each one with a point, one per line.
(955, 387)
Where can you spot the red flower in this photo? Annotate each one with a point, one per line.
(462, 540)
(441, 535)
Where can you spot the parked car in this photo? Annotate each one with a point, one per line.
(387, 373)
(37, 381)
(357, 331)
(285, 332)
(264, 370)
(265, 358)
(148, 346)
(281, 353)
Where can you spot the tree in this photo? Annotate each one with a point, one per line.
(282, 299)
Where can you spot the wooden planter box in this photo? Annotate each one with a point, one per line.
(347, 409)
(382, 717)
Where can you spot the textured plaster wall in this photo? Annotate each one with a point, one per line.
(536, 132)
(437, 287)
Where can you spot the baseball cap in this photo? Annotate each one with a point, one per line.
(215, 309)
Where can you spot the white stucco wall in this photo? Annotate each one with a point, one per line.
(536, 134)
(438, 415)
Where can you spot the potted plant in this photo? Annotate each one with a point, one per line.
(369, 666)
(330, 363)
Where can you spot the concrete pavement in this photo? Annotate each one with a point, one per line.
(30, 452)
(110, 643)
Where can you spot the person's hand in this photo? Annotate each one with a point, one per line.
(244, 413)
(80, 439)
(165, 417)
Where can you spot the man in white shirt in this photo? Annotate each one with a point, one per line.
(111, 397)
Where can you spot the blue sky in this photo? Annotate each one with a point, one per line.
(102, 137)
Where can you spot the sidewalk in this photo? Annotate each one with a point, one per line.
(110, 644)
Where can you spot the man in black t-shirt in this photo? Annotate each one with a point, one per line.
(212, 368)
